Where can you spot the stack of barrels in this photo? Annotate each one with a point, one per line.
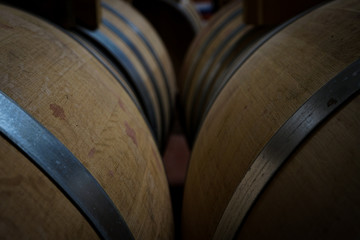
(271, 114)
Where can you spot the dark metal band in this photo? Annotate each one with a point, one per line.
(209, 64)
(205, 69)
(286, 140)
(95, 53)
(61, 166)
(122, 61)
(245, 56)
(136, 30)
(214, 76)
(203, 48)
(149, 72)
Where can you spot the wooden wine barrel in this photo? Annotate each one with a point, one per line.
(177, 23)
(278, 155)
(189, 8)
(135, 48)
(78, 160)
(209, 57)
(112, 68)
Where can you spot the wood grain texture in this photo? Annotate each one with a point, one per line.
(263, 93)
(132, 35)
(116, 72)
(69, 92)
(31, 206)
(316, 194)
(157, 57)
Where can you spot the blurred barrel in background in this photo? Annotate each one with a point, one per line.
(277, 155)
(133, 46)
(177, 22)
(83, 132)
(210, 57)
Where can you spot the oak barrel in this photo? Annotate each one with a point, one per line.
(133, 45)
(278, 155)
(177, 23)
(63, 98)
(210, 57)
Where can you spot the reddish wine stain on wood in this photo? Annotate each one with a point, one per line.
(92, 152)
(131, 133)
(58, 111)
(111, 173)
(121, 104)
(3, 26)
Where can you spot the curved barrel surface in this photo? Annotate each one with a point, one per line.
(61, 85)
(318, 183)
